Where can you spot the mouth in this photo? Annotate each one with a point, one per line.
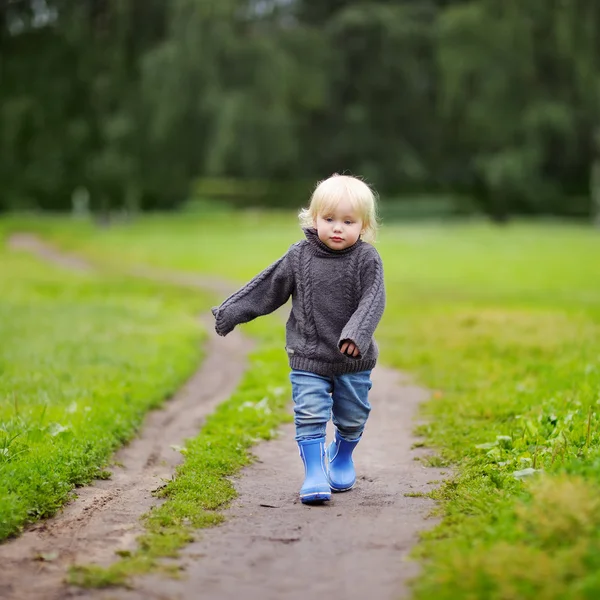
(337, 239)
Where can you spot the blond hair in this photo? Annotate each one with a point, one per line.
(330, 191)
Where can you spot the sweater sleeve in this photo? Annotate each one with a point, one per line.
(269, 290)
(363, 322)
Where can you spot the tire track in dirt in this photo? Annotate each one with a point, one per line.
(105, 516)
(271, 547)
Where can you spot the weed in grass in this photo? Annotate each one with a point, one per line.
(434, 460)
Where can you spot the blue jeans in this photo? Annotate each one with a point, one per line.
(318, 398)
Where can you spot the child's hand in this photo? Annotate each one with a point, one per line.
(349, 348)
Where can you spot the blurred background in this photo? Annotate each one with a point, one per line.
(447, 107)
(461, 114)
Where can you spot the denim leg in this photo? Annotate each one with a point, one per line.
(312, 404)
(351, 406)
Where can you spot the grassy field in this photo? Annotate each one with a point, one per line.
(503, 325)
(82, 359)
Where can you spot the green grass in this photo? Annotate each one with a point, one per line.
(503, 324)
(82, 359)
(187, 243)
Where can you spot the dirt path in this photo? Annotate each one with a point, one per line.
(104, 518)
(271, 546)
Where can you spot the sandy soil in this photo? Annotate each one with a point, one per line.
(270, 546)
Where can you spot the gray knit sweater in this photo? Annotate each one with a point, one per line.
(337, 295)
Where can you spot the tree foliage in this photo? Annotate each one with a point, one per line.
(135, 99)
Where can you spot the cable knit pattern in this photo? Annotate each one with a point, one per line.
(358, 328)
(353, 282)
(269, 290)
(336, 295)
(310, 339)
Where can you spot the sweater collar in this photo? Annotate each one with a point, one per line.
(319, 248)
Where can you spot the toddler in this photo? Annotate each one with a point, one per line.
(335, 279)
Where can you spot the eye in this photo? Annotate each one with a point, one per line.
(328, 219)
(348, 222)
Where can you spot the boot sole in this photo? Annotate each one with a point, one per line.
(317, 498)
(337, 490)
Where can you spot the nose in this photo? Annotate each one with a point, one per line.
(337, 226)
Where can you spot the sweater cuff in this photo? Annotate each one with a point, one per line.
(360, 341)
(221, 327)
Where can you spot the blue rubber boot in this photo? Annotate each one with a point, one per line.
(315, 489)
(342, 476)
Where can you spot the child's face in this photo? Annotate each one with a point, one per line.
(339, 228)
